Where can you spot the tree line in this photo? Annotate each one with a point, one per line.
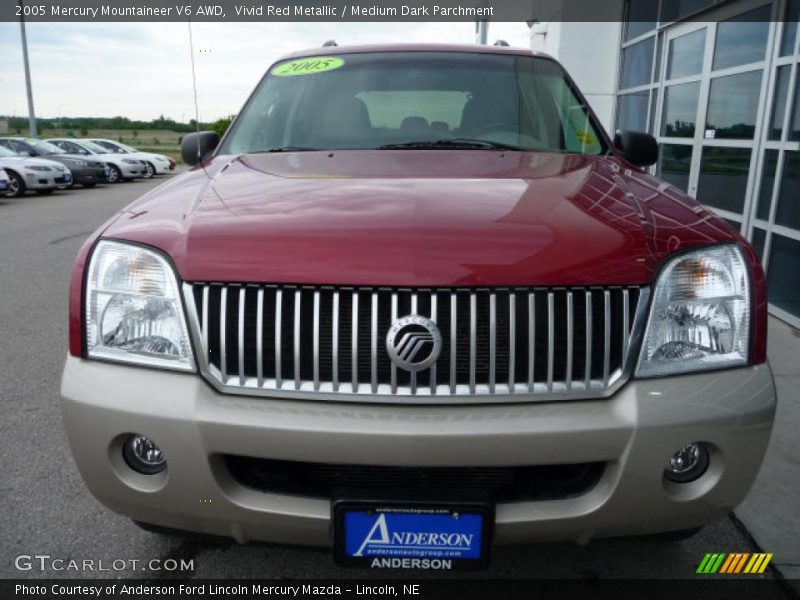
(84, 124)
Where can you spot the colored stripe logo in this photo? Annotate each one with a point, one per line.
(734, 563)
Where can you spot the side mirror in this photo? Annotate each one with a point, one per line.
(196, 146)
(638, 148)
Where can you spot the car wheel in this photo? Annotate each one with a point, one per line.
(149, 170)
(114, 174)
(16, 187)
(45, 192)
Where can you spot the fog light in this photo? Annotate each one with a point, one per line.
(143, 455)
(687, 464)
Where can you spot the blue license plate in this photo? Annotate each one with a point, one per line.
(412, 537)
(67, 177)
(3, 185)
(106, 172)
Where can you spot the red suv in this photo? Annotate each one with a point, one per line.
(416, 303)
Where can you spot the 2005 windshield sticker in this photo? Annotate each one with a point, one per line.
(308, 66)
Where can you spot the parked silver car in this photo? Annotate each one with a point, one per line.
(120, 167)
(38, 174)
(155, 164)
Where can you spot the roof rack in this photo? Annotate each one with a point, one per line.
(501, 43)
(329, 43)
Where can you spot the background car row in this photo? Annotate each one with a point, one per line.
(46, 165)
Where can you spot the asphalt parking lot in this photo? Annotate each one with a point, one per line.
(46, 509)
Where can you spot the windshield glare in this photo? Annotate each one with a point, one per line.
(97, 148)
(372, 100)
(45, 147)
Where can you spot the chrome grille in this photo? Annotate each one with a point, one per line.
(499, 345)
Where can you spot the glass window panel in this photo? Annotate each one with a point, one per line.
(723, 178)
(686, 54)
(780, 98)
(743, 39)
(680, 110)
(640, 17)
(637, 62)
(758, 241)
(657, 66)
(788, 211)
(674, 164)
(782, 282)
(734, 224)
(653, 105)
(767, 182)
(790, 27)
(794, 124)
(732, 105)
(672, 10)
(632, 111)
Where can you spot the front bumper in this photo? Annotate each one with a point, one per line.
(47, 180)
(633, 432)
(131, 171)
(89, 175)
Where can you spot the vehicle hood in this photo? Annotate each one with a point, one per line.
(24, 161)
(71, 159)
(146, 156)
(418, 218)
(111, 157)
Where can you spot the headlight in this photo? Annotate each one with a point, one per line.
(129, 161)
(133, 308)
(81, 163)
(700, 315)
(38, 168)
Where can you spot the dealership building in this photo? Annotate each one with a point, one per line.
(718, 84)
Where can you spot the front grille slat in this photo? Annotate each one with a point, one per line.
(278, 337)
(587, 378)
(240, 335)
(223, 328)
(606, 336)
(570, 335)
(259, 337)
(499, 344)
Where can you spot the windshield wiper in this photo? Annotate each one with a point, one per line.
(458, 143)
(286, 149)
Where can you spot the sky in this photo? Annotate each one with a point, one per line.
(143, 70)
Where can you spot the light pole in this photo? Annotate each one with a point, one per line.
(481, 32)
(31, 113)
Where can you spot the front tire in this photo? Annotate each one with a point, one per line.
(149, 170)
(16, 186)
(114, 174)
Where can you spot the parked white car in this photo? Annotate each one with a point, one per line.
(3, 182)
(155, 164)
(38, 174)
(121, 167)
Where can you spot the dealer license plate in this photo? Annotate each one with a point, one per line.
(412, 536)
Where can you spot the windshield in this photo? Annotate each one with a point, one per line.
(97, 148)
(43, 147)
(110, 147)
(375, 100)
(6, 153)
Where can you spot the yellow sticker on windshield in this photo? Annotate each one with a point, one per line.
(308, 66)
(584, 137)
